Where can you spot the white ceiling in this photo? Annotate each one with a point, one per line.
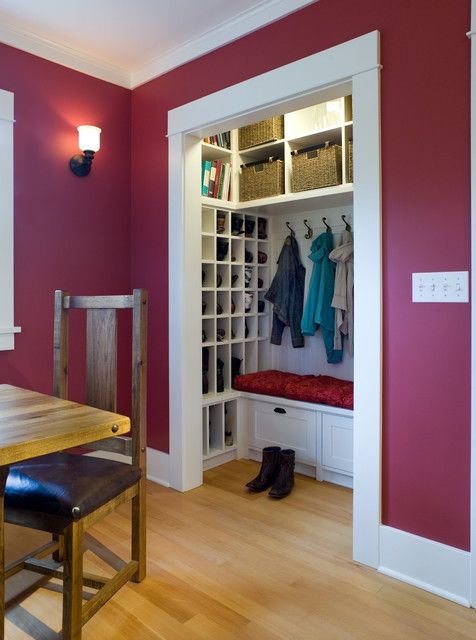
(130, 42)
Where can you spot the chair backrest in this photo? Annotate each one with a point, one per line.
(101, 361)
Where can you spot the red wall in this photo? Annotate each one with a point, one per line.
(70, 232)
(426, 215)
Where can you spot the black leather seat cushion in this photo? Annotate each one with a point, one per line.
(65, 484)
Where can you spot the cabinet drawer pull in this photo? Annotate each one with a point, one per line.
(279, 410)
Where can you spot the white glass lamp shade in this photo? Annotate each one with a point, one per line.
(89, 138)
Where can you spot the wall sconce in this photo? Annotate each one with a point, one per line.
(89, 143)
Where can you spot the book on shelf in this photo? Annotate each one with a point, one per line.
(216, 178)
(220, 140)
(206, 167)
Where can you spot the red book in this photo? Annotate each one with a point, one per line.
(217, 178)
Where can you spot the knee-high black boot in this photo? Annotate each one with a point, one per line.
(268, 472)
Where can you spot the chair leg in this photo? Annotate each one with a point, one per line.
(138, 550)
(58, 555)
(73, 581)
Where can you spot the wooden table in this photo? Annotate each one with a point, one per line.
(33, 424)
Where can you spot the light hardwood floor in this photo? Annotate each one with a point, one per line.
(228, 565)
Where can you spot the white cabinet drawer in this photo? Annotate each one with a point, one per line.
(276, 424)
(337, 443)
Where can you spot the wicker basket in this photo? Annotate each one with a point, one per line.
(350, 161)
(261, 132)
(314, 168)
(261, 179)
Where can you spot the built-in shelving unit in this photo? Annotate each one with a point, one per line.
(234, 328)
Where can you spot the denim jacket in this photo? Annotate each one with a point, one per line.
(287, 294)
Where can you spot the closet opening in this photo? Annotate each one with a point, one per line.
(214, 267)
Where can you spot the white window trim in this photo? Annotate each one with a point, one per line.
(7, 328)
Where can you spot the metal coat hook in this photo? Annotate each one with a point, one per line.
(291, 230)
(347, 225)
(310, 232)
(328, 229)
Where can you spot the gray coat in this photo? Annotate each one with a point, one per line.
(287, 294)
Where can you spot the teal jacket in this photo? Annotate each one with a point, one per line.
(318, 311)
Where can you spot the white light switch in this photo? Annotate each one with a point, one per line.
(440, 286)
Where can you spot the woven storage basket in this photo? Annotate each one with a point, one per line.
(350, 161)
(261, 180)
(314, 168)
(261, 132)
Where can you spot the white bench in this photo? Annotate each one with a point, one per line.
(321, 435)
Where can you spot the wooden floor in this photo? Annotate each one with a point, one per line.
(228, 565)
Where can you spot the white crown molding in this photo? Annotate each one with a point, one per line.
(30, 42)
(246, 22)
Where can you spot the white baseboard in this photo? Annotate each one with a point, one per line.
(158, 467)
(423, 563)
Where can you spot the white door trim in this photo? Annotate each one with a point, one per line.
(472, 35)
(354, 65)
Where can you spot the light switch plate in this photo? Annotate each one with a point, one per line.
(440, 286)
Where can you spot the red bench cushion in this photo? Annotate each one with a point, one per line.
(317, 389)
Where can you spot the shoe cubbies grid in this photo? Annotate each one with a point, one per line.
(231, 331)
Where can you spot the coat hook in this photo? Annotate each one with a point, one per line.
(328, 229)
(310, 232)
(347, 225)
(291, 230)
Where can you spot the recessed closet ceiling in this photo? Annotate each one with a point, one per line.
(131, 34)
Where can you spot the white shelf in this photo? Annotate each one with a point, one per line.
(214, 152)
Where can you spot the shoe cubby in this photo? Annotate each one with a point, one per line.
(208, 221)
(208, 276)
(249, 276)
(252, 324)
(231, 417)
(250, 226)
(236, 280)
(208, 331)
(222, 246)
(223, 303)
(263, 277)
(223, 330)
(237, 328)
(222, 280)
(208, 370)
(222, 222)
(208, 248)
(208, 304)
(216, 428)
(237, 297)
(250, 252)
(222, 368)
(262, 257)
(237, 251)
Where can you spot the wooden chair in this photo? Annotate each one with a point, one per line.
(65, 493)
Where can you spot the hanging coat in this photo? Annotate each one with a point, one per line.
(287, 294)
(343, 300)
(318, 311)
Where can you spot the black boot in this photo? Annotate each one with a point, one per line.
(285, 480)
(205, 359)
(220, 378)
(269, 470)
